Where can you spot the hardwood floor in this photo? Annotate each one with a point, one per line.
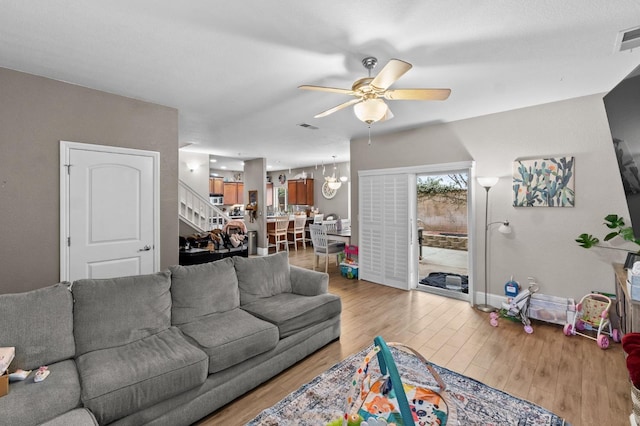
(570, 376)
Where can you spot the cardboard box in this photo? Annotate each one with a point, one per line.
(4, 384)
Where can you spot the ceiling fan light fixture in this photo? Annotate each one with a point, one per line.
(370, 110)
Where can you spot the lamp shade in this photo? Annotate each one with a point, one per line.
(505, 228)
(334, 184)
(487, 182)
(370, 110)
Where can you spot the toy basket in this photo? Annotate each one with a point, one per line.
(388, 399)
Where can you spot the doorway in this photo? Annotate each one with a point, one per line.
(109, 211)
(442, 215)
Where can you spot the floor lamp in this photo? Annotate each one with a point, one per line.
(487, 183)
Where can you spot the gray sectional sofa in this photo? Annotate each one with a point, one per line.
(162, 349)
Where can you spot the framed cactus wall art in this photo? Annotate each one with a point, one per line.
(545, 182)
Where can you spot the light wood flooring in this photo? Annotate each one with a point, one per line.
(570, 376)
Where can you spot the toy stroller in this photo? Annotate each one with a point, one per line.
(517, 308)
(592, 314)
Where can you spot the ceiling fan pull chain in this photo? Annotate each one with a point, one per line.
(369, 134)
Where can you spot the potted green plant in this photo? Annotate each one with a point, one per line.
(619, 228)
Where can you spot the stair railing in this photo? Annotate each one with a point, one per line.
(197, 211)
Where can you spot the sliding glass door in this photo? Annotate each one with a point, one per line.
(392, 230)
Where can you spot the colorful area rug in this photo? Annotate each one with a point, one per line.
(323, 399)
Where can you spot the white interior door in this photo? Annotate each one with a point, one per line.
(109, 222)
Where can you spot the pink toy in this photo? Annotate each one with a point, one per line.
(592, 314)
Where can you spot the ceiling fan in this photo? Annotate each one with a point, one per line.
(369, 92)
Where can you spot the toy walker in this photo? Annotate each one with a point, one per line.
(592, 314)
(517, 309)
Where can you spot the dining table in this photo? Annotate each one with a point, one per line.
(343, 235)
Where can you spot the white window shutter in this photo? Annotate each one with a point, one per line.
(384, 230)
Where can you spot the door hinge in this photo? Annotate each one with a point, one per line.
(68, 241)
(68, 166)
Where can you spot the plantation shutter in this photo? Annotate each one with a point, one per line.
(385, 229)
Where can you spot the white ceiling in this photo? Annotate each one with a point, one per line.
(232, 68)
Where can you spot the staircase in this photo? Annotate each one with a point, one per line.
(197, 211)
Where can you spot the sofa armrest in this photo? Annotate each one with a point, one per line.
(306, 282)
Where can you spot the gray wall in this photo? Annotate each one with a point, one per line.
(254, 180)
(542, 244)
(198, 179)
(35, 114)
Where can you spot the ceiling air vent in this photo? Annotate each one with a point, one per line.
(628, 39)
(308, 126)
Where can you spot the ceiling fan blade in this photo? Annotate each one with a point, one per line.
(338, 108)
(388, 75)
(417, 94)
(327, 89)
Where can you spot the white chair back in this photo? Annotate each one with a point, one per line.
(299, 223)
(330, 225)
(319, 238)
(282, 223)
(317, 219)
(346, 224)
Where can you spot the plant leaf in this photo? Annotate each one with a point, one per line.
(587, 241)
(611, 235)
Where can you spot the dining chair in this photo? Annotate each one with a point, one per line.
(330, 225)
(317, 220)
(298, 232)
(322, 246)
(279, 232)
(346, 224)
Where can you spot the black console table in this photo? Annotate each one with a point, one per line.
(202, 255)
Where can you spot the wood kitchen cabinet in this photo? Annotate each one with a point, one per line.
(300, 192)
(216, 186)
(233, 193)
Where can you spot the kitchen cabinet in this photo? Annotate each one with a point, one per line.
(269, 195)
(216, 186)
(233, 193)
(300, 192)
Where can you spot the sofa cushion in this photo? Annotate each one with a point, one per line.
(77, 417)
(122, 380)
(264, 276)
(199, 290)
(30, 403)
(300, 313)
(116, 311)
(27, 324)
(231, 337)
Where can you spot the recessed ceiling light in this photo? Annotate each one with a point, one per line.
(223, 167)
(269, 166)
(214, 174)
(213, 160)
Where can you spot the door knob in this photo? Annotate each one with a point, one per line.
(145, 248)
